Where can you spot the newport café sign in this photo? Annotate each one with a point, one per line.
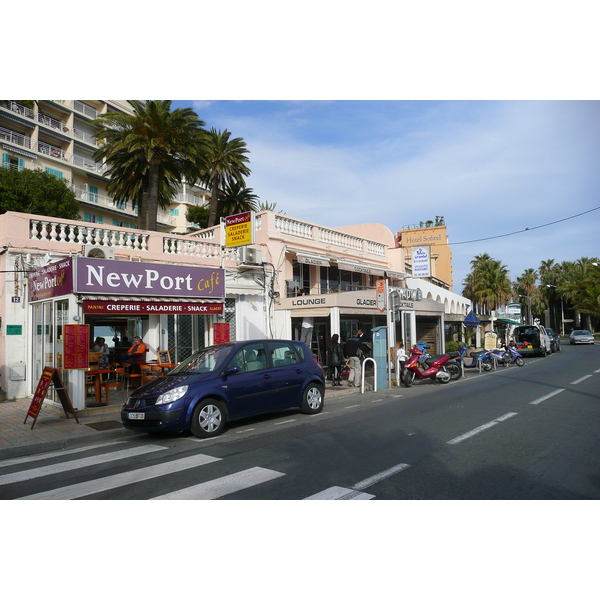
(129, 307)
(50, 281)
(97, 276)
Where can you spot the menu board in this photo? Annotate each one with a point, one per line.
(76, 346)
(222, 335)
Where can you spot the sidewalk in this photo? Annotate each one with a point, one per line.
(53, 430)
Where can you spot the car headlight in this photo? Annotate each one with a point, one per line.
(172, 395)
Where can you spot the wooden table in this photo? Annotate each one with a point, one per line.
(97, 373)
(164, 366)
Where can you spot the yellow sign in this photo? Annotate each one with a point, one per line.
(490, 340)
(239, 230)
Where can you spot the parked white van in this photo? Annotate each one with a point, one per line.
(531, 340)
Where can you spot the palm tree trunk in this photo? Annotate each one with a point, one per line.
(147, 217)
(214, 198)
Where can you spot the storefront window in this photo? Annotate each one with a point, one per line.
(329, 280)
(301, 273)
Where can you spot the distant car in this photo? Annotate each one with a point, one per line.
(581, 336)
(226, 382)
(554, 339)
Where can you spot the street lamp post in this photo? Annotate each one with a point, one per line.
(562, 312)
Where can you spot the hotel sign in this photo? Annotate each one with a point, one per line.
(421, 264)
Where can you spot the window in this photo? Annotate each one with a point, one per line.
(58, 174)
(174, 212)
(93, 194)
(10, 162)
(92, 218)
(302, 277)
(329, 279)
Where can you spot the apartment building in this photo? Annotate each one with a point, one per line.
(57, 136)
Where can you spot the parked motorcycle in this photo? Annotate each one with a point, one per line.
(451, 366)
(514, 356)
(474, 360)
(433, 367)
(506, 356)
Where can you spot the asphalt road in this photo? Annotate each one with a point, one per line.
(515, 433)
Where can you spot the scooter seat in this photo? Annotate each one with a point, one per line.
(431, 359)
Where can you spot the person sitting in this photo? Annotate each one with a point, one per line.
(100, 345)
(136, 353)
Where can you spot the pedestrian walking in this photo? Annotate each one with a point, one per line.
(335, 358)
(354, 350)
(401, 360)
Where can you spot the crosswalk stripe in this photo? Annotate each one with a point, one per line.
(77, 464)
(33, 457)
(340, 493)
(223, 485)
(86, 488)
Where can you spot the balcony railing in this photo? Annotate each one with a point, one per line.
(85, 137)
(53, 151)
(88, 163)
(84, 109)
(52, 123)
(13, 137)
(55, 231)
(17, 108)
(328, 236)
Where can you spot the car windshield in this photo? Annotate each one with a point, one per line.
(206, 361)
(582, 332)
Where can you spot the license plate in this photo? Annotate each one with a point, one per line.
(137, 416)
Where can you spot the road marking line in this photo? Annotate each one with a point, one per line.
(338, 493)
(380, 400)
(547, 396)
(284, 422)
(598, 371)
(245, 430)
(580, 380)
(223, 485)
(477, 430)
(23, 459)
(77, 464)
(365, 483)
(353, 406)
(86, 488)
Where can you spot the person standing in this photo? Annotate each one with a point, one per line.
(401, 359)
(353, 351)
(335, 358)
(306, 330)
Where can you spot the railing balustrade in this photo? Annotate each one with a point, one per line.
(17, 108)
(13, 137)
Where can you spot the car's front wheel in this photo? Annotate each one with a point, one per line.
(312, 401)
(209, 419)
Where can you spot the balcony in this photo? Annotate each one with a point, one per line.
(89, 164)
(53, 151)
(85, 109)
(18, 109)
(52, 123)
(8, 135)
(84, 137)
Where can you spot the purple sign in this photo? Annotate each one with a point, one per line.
(97, 276)
(51, 281)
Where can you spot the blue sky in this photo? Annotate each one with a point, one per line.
(489, 167)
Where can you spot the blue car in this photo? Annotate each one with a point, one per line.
(228, 382)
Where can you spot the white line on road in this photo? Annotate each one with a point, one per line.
(86, 488)
(23, 459)
(580, 380)
(365, 483)
(547, 396)
(284, 422)
(477, 430)
(353, 406)
(338, 493)
(223, 485)
(77, 464)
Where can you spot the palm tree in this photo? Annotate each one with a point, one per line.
(527, 288)
(580, 284)
(488, 284)
(236, 198)
(224, 162)
(150, 153)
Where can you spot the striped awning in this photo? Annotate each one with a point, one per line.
(19, 151)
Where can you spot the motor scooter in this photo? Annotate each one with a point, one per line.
(476, 359)
(433, 367)
(513, 356)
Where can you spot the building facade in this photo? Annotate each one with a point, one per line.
(57, 136)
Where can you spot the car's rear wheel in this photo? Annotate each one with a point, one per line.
(312, 401)
(209, 419)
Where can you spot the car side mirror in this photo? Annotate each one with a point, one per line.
(231, 371)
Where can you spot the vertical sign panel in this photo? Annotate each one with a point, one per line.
(76, 345)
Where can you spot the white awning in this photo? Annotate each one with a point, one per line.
(358, 268)
(312, 259)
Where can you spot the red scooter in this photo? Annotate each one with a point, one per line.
(432, 367)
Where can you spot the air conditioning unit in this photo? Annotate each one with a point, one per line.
(251, 256)
(90, 251)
